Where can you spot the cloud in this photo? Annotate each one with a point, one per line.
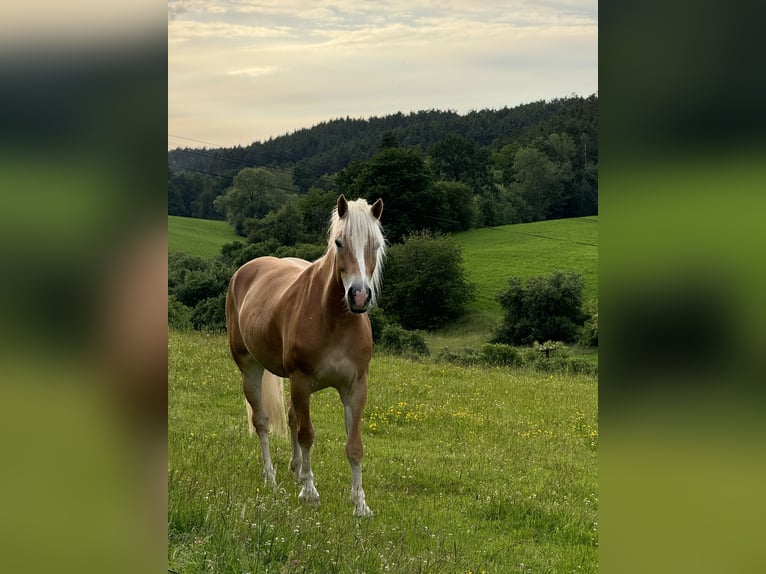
(253, 72)
(273, 68)
(184, 30)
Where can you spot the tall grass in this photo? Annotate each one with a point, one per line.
(467, 470)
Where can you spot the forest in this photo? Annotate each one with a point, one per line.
(435, 170)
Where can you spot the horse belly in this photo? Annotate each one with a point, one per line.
(260, 321)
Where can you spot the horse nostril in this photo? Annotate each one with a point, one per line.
(359, 298)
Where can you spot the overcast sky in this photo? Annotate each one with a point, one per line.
(243, 71)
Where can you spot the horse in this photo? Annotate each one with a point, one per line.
(288, 318)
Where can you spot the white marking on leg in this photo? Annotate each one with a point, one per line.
(357, 492)
(308, 492)
(269, 474)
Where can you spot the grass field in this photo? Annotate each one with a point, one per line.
(491, 255)
(467, 470)
(201, 237)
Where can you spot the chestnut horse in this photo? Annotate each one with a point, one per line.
(308, 321)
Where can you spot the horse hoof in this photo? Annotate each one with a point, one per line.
(309, 497)
(363, 512)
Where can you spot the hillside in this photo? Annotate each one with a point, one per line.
(201, 237)
(330, 146)
(490, 255)
(493, 254)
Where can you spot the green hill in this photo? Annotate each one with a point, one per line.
(201, 237)
(493, 254)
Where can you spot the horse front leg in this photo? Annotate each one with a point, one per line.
(302, 436)
(354, 400)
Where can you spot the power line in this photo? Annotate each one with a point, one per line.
(194, 140)
(503, 230)
(212, 156)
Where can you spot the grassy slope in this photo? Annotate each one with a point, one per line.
(466, 470)
(201, 237)
(492, 255)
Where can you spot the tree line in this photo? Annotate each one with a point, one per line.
(493, 167)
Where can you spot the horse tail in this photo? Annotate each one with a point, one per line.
(273, 397)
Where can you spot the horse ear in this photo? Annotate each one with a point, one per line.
(342, 205)
(377, 208)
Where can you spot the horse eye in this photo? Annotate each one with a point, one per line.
(338, 244)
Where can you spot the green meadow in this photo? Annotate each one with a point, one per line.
(201, 237)
(490, 255)
(473, 469)
(493, 254)
(466, 469)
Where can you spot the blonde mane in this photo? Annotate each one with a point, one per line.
(357, 223)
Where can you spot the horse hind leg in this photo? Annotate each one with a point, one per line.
(258, 420)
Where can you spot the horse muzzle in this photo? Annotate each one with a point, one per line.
(358, 299)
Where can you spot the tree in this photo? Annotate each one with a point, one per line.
(315, 207)
(458, 209)
(536, 184)
(254, 193)
(543, 309)
(457, 159)
(401, 178)
(284, 225)
(425, 285)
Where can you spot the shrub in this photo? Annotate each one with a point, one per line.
(400, 341)
(193, 279)
(462, 357)
(305, 251)
(498, 354)
(425, 285)
(210, 314)
(548, 356)
(179, 315)
(378, 322)
(589, 334)
(546, 308)
(237, 253)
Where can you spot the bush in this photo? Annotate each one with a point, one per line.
(210, 314)
(192, 280)
(499, 355)
(237, 253)
(305, 251)
(463, 357)
(549, 356)
(425, 285)
(589, 334)
(378, 322)
(400, 341)
(179, 315)
(546, 308)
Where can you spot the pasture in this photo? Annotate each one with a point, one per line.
(200, 237)
(493, 254)
(466, 469)
(490, 255)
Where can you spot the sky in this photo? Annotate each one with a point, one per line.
(245, 71)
